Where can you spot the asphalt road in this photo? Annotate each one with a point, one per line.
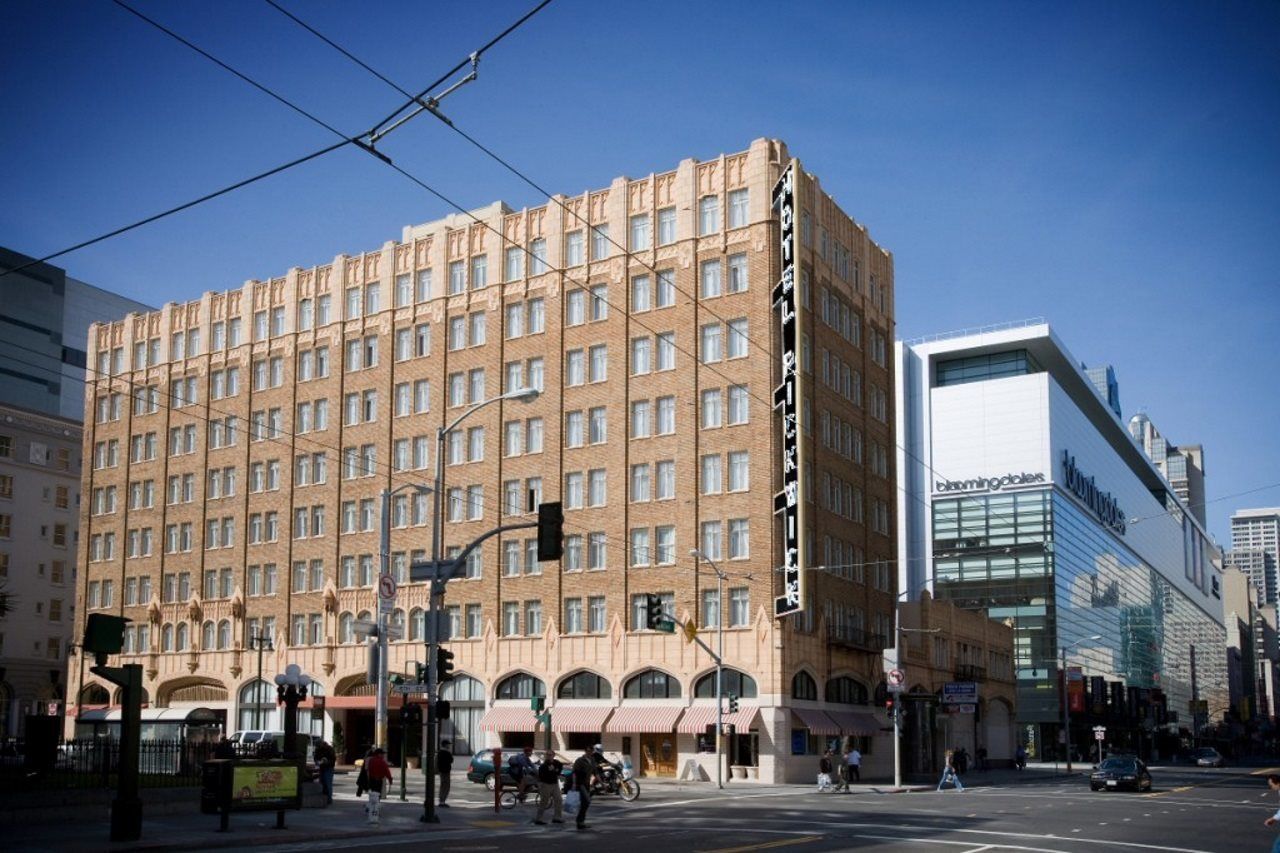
(1188, 810)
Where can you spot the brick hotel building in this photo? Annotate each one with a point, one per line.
(239, 444)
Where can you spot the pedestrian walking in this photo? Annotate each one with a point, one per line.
(982, 758)
(1020, 757)
(824, 772)
(962, 761)
(584, 773)
(1273, 782)
(949, 773)
(444, 767)
(549, 794)
(379, 773)
(853, 761)
(326, 759)
(522, 770)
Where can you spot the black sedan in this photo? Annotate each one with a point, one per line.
(1115, 773)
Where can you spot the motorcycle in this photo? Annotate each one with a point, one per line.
(615, 780)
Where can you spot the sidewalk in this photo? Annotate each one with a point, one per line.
(470, 810)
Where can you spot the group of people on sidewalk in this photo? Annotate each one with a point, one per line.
(546, 776)
(845, 769)
(375, 777)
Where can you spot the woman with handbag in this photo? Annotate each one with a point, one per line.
(379, 773)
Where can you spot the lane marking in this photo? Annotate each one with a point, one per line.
(765, 845)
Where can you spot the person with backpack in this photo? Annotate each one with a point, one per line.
(521, 767)
(379, 776)
(549, 789)
(949, 773)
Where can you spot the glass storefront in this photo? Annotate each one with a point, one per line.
(1038, 560)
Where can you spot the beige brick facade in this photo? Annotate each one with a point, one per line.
(846, 278)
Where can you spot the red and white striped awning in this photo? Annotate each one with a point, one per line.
(579, 718)
(855, 723)
(698, 717)
(644, 719)
(509, 719)
(817, 722)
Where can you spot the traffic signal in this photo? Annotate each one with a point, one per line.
(890, 707)
(411, 714)
(653, 615)
(420, 673)
(538, 704)
(442, 709)
(396, 679)
(444, 665)
(550, 531)
(733, 703)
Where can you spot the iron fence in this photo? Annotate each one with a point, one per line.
(95, 763)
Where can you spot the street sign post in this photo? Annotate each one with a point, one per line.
(411, 687)
(894, 681)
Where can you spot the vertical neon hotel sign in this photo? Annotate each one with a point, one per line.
(790, 501)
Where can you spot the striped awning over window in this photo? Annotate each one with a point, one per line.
(645, 719)
(697, 718)
(817, 722)
(579, 718)
(509, 719)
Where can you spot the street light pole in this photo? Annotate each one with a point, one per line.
(1066, 699)
(384, 617)
(698, 555)
(436, 599)
(259, 642)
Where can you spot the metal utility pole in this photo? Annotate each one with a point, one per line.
(259, 642)
(523, 395)
(698, 555)
(1066, 698)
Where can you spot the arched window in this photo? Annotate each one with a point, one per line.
(466, 700)
(224, 634)
(209, 637)
(417, 624)
(738, 683)
(180, 637)
(95, 694)
(585, 685)
(257, 705)
(346, 628)
(804, 687)
(166, 638)
(845, 691)
(397, 620)
(652, 684)
(522, 685)
(364, 616)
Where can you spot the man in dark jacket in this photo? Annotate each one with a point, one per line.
(584, 773)
(326, 759)
(444, 766)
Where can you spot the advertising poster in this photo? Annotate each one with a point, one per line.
(255, 787)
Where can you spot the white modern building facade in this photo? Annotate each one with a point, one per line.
(1022, 494)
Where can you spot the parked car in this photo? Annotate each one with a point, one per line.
(1207, 756)
(1116, 773)
(480, 768)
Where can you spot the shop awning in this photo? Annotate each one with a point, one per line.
(644, 719)
(817, 722)
(579, 718)
(855, 723)
(509, 719)
(697, 718)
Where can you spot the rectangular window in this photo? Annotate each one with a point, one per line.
(575, 307)
(738, 405)
(708, 215)
(513, 265)
(598, 368)
(665, 296)
(739, 471)
(736, 344)
(710, 343)
(596, 613)
(640, 236)
(600, 242)
(738, 203)
(665, 480)
(737, 273)
(573, 249)
(739, 539)
(457, 278)
(666, 415)
(665, 545)
(711, 412)
(666, 226)
(709, 277)
(711, 474)
(479, 272)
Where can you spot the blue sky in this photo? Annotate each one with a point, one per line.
(1111, 167)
